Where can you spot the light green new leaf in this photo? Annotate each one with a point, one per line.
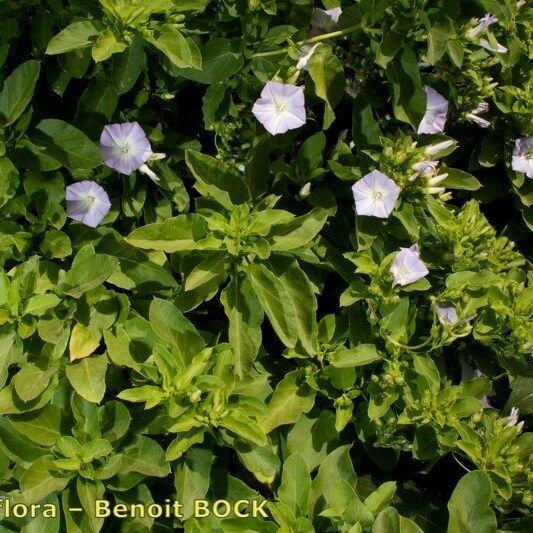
(77, 35)
(295, 484)
(107, 45)
(18, 91)
(469, 505)
(290, 400)
(170, 325)
(245, 317)
(87, 377)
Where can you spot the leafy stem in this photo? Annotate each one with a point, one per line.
(318, 39)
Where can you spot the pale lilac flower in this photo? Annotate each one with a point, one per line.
(512, 419)
(481, 122)
(280, 108)
(125, 147)
(446, 313)
(482, 24)
(434, 118)
(424, 168)
(375, 195)
(87, 202)
(407, 266)
(304, 55)
(145, 169)
(439, 149)
(523, 156)
(497, 48)
(325, 20)
(467, 373)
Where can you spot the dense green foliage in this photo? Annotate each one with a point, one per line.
(234, 330)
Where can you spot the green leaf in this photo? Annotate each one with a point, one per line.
(327, 73)
(184, 232)
(469, 505)
(88, 492)
(301, 300)
(83, 342)
(77, 35)
(274, 300)
(88, 271)
(245, 317)
(207, 270)
(219, 62)
(66, 144)
(290, 400)
(192, 478)
(337, 464)
(262, 462)
(365, 128)
(458, 179)
(182, 52)
(87, 377)
(44, 524)
(314, 450)
(295, 484)
(380, 498)
(106, 45)
(360, 355)
(298, 232)
(40, 480)
(409, 101)
(17, 446)
(216, 179)
(389, 521)
(438, 37)
(146, 457)
(237, 422)
(170, 325)
(18, 91)
(128, 66)
(183, 442)
(31, 381)
(42, 427)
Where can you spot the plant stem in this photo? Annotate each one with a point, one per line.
(317, 39)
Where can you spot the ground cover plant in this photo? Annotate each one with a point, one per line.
(266, 251)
